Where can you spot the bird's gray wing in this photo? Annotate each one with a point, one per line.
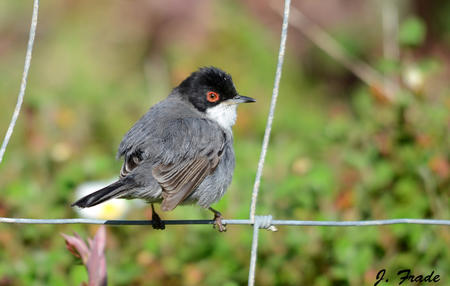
(199, 145)
(179, 180)
(185, 151)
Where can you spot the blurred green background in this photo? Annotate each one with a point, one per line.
(339, 150)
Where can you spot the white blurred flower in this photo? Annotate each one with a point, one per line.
(112, 209)
(413, 78)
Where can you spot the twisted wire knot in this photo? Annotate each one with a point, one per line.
(265, 222)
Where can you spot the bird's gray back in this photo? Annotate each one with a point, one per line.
(152, 133)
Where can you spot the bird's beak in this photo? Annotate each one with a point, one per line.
(241, 99)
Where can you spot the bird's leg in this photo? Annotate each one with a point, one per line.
(157, 223)
(218, 220)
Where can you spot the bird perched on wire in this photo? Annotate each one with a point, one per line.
(181, 151)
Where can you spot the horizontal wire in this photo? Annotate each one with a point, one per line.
(228, 221)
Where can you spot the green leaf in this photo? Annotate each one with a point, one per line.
(412, 32)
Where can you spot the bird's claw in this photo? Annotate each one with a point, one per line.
(157, 223)
(218, 223)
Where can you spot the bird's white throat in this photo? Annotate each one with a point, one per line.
(224, 114)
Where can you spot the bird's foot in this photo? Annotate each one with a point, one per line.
(218, 221)
(157, 223)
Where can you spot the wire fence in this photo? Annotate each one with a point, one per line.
(258, 222)
(23, 84)
(273, 104)
(264, 222)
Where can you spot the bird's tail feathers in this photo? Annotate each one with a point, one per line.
(109, 192)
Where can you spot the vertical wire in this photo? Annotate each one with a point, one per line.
(265, 144)
(253, 254)
(23, 84)
(273, 103)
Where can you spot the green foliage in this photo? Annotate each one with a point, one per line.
(412, 32)
(336, 151)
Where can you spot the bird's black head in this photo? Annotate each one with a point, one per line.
(209, 87)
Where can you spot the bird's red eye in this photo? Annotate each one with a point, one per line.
(212, 96)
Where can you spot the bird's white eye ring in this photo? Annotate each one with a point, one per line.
(212, 96)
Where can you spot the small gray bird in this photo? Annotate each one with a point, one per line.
(181, 151)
